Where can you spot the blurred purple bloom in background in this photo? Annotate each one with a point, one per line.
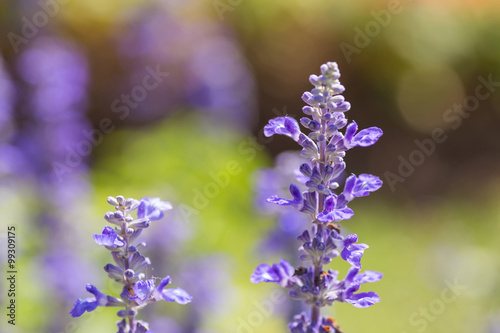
(152, 208)
(50, 124)
(206, 69)
(280, 239)
(289, 222)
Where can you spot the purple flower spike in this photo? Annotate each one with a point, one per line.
(324, 204)
(283, 125)
(152, 208)
(108, 238)
(137, 291)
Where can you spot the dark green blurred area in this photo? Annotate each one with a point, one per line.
(435, 227)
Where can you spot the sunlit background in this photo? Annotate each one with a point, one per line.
(168, 98)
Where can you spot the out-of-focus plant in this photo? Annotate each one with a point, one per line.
(137, 290)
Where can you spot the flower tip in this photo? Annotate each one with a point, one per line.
(76, 311)
(91, 288)
(112, 201)
(164, 282)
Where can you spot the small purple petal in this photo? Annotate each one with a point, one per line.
(349, 133)
(297, 197)
(279, 201)
(176, 295)
(277, 273)
(143, 289)
(367, 137)
(283, 125)
(352, 253)
(368, 276)
(108, 238)
(330, 203)
(263, 273)
(164, 282)
(81, 306)
(363, 300)
(360, 186)
(349, 184)
(91, 303)
(142, 327)
(296, 193)
(336, 215)
(365, 184)
(152, 208)
(351, 239)
(351, 274)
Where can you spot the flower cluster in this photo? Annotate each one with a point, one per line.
(130, 264)
(324, 148)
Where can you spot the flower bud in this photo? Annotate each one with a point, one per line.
(112, 201)
(120, 199)
(129, 273)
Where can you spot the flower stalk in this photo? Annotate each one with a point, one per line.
(317, 196)
(137, 291)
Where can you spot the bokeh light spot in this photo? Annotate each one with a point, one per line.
(425, 93)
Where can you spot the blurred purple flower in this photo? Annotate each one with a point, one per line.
(280, 239)
(203, 59)
(152, 208)
(60, 75)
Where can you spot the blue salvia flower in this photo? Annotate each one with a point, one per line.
(130, 264)
(325, 204)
